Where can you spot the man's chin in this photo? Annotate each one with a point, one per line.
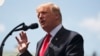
(43, 26)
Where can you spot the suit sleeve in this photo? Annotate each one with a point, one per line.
(75, 46)
(26, 53)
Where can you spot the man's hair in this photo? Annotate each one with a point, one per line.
(53, 7)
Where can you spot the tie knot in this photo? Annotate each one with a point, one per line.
(48, 35)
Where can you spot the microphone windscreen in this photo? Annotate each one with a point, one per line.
(33, 26)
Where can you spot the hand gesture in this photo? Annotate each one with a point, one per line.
(22, 42)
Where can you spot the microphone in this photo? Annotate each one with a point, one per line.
(25, 27)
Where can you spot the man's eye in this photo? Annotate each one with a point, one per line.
(44, 12)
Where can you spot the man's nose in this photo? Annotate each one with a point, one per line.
(40, 16)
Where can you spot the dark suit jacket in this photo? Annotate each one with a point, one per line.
(64, 43)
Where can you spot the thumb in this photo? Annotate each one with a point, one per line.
(27, 44)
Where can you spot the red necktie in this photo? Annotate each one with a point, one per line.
(44, 45)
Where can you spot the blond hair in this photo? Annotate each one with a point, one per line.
(53, 7)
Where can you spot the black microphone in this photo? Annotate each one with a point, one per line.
(25, 27)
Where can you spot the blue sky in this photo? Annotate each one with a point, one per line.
(82, 16)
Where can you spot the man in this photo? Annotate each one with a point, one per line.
(62, 42)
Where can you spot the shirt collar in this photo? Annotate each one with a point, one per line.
(55, 30)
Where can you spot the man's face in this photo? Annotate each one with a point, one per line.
(46, 18)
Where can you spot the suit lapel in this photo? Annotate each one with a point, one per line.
(39, 44)
(60, 37)
(57, 42)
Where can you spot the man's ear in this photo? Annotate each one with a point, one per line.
(57, 16)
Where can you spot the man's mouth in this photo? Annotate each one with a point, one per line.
(42, 22)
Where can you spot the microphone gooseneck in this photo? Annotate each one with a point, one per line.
(24, 27)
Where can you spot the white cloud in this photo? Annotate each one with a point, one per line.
(1, 2)
(92, 24)
(2, 28)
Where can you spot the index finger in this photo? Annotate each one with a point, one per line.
(17, 40)
(23, 36)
